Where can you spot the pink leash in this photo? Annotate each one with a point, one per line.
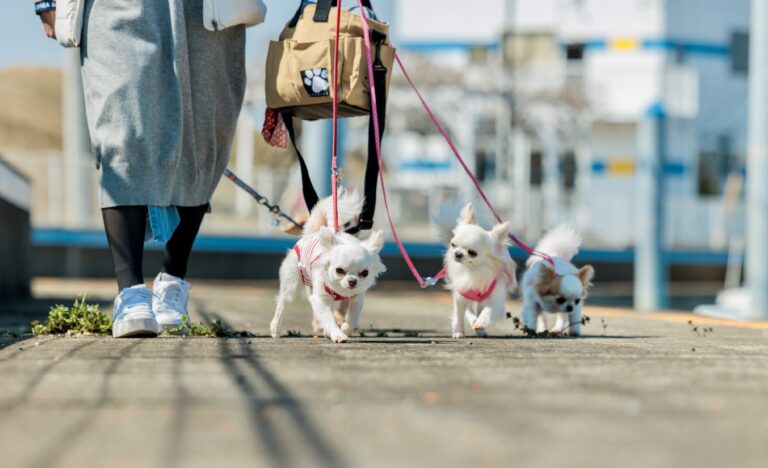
(429, 281)
(335, 160)
(528, 249)
(374, 115)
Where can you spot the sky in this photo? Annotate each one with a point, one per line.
(22, 41)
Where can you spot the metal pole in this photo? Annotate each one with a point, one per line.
(551, 182)
(246, 148)
(650, 269)
(521, 179)
(757, 163)
(77, 145)
(316, 147)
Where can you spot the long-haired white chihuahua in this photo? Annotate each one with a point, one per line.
(480, 272)
(560, 290)
(349, 206)
(337, 270)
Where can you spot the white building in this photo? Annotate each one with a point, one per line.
(583, 76)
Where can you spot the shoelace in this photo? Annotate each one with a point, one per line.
(173, 294)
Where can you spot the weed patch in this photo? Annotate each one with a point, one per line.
(214, 330)
(700, 331)
(519, 325)
(80, 319)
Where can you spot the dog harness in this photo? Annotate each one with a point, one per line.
(477, 295)
(305, 253)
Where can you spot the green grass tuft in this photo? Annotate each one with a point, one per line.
(80, 319)
(215, 330)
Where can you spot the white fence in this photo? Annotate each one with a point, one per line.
(607, 221)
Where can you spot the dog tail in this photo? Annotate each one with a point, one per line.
(350, 205)
(563, 241)
(444, 220)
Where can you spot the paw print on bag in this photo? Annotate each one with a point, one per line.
(316, 82)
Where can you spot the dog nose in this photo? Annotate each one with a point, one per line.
(352, 282)
(569, 308)
(458, 255)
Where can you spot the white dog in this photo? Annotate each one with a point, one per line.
(480, 272)
(560, 290)
(337, 270)
(349, 206)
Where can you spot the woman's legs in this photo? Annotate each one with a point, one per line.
(125, 226)
(179, 247)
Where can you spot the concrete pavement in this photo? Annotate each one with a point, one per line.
(643, 391)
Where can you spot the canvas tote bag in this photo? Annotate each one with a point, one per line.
(300, 63)
(298, 84)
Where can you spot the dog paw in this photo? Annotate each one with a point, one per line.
(338, 337)
(274, 331)
(458, 335)
(481, 333)
(480, 325)
(346, 328)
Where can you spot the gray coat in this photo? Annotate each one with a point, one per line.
(162, 98)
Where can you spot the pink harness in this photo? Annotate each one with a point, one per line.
(476, 295)
(305, 249)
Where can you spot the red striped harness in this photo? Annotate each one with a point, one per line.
(305, 249)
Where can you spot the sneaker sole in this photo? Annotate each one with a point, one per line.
(171, 324)
(135, 328)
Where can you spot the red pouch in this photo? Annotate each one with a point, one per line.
(275, 132)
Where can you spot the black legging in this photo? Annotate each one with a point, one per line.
(125, 226)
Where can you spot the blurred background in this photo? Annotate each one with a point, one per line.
(627, 118)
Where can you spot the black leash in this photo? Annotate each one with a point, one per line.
(260, 199)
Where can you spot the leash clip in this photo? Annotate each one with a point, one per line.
(429, 282)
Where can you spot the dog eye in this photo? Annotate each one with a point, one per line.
(577, 301)
(472, 253)
(560, 300)
(453, 246)
(364, 274)
(346, 225)
(340, 271)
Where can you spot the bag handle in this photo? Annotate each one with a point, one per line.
(322, 11)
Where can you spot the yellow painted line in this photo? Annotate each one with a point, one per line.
(624, 44)
(621, 167)
(674, 317)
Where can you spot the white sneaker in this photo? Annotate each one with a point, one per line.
(133, 314)
(169, 300)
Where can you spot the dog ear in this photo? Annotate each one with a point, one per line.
(467, 215)
(376, 241)
(379, 266)
(547, 276)
(585, 274)
(499, 233)
(326, 237)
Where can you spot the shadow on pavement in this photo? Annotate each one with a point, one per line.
(181, 402)
(25, 394)
(54, 452)
(244, 367)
